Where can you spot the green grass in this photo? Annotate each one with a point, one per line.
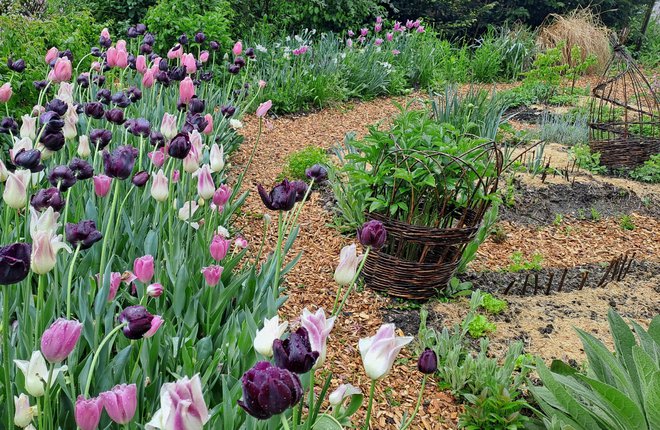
(299, 161)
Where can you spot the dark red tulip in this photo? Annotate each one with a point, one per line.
(372, 234)
(269, 390)
(428, 362)
(281, 198)
(137, 320)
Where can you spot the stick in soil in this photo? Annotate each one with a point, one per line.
(616, 267)
(561, 281)
(536, 282)
(622, 266)
(607, 272)
(629, 264)
(584, 280)
(547, 288)
(524, 288)
(506, 291)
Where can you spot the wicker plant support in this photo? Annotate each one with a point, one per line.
(419, 261)
(624, 116)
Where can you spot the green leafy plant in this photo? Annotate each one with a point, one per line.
(626, 222)
(564, 129)
(493, 305)
(299, 161)
(595, 214)
(519, 263)
(620, 391)
(559, 218)
(649, 171)
(586, 159)
(479, 326)
(493, 410)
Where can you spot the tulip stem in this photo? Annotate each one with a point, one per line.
(9, 399)
(278, 254)
(69, 280)
(419, 402)
(352, 285)
(372, 390)
(310, 405)
(285, 422)
(96, 356)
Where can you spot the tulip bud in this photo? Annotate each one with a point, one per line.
(263, 108)
(157, 157)
(209, 124)
(342, 392)
(168, 126)
(204, 56)
(205, 185)
(348, 263)
(188, 61)
(5, 92)
(83, 147)
(15, 192)
(88, 412)
(216, 158)
(24, 413)
(155, 290)
(59, 340)
(372, 234)
(222, 195)
(148, 79)
(219, 247)
(14, 263)
(264, 379)
(143, 268)
(102, 185)
(159, 187)
(379, 352)
(175, 176)
(212, 275)
(36, 374)
(29, 127)
(238, 48)
(120, 403)
(428, 362)
(186, 90)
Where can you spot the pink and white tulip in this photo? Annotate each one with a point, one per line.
(182, 406)
(318, 328)
(379, 351)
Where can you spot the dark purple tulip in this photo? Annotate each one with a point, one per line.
(115, 116)
(301, 189)
(206, 76)
(137, 320)
(47, 198)
(214, 45)
(29, 159)
(40, 85)
(119, 163)
(317, 172)
(52, 141)
(62, 177)
(138, 127)
(134, 94)
(183, 39)
(95, 51)
(140, 178)
(130, 59)
(163, 65)
(281, 198)
(372, 234)
(17, 66)
(105, 42)
(66, 54)
(120, 99)
(179, 146)
(157, 139)
(196, 105)
(428, 362)
(104, 96)
(177, 73)
(99, 80)
(295, 353)
(149, 39)
(81, 168)
(250, 53)
(234, 69)
(200, 37)
(83, 234)
(269, 390)
(227, 111)
(14, 263)
(132, 32)
(163, 78)
(239, 61)
(83, 80)
(51, 121)
(140, 28)
(100, 138)
(194, 121)
(8, 125)
(94, 110)
(146, 49)
(152, 56)
(58, 106)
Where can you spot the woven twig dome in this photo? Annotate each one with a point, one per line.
(625, 115)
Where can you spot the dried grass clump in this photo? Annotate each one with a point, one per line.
(579, 27)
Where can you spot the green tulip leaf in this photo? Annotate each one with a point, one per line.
(326, 422)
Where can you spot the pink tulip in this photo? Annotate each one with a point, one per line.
(212, 275)
(318, 328)
(204, 56)
(122, 59)
(175, 52)
(189, 62)
(420, 29)
(141, 64)
(5, 92)
(111, 57)
(45, 246)
(156, 322)
(182, 406)
(160, 187)
(351, 33)
(409, 24)
(176, 175)
(389, 37)
(155, 290)
(143, 268)
(51, 55)
(148, 79)
(378, 42)
(168, 126)
(115, 282)
(241, 242)
(349, 43)
(120, 403)
(157, 157)
(209, 124)
(398, 27)
(205, 185)
(88, 412)
(61, 72)
(222, 195)
(364, 32)
(121, 45)
(219, 247)
(96, 66)
(59, 340)
(379, 352)
(105, 33)
(262, 84)
(238, 48)
(191, 162)
(186, 90)
(395, 52)
(378, 27)
(102, 185)
(263, 108)
(417, 23)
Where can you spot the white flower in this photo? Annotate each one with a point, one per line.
(318, 328)
(188, 210)
(235, 124)
(222, 231)
(182, 406)
(348, 263)
(36, 374)
(261, 48)
(342, 392)
(379, 352)
(24, 412)
(263, 340)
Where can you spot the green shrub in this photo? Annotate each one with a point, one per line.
(519, 263)
(119, 14)
(299, 161)
(626, 222)
(493, 410)
(586, 159)
(621, 390)
(168, 19)
(649, 171)
(493, 305)
(564, 129)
